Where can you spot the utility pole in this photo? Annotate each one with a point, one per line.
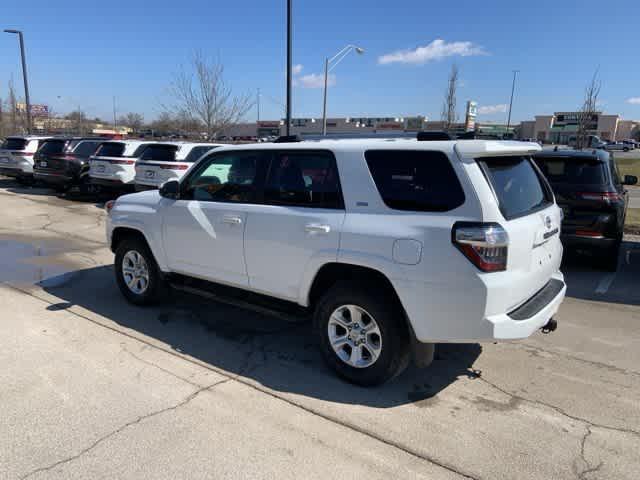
(115, 122)
(513, 88)
(289, 67)
(24, 77)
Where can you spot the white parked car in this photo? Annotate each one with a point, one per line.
(393, 245)
(16, 156)
(162, 162)
(113, 164)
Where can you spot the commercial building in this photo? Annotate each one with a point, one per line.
(562, 127)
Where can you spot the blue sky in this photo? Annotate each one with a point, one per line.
(79, 54)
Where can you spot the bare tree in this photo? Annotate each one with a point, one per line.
(79, 119)
(132, 120)
(449, 114)
(588, 112)
(201, 93)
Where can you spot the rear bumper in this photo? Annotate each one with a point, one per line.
(534, 314)
(109, 183)
(16, 172)
(577, 241)
(52, 178)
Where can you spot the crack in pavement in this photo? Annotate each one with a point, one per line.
(588, 468)
(182, 403)
(151, 364)
(584, 360)
(559, 410)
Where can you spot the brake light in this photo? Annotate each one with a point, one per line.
(486, 245)
(24, 154)
(109, 206)
(121, 162)
(174, 167)
(603, 197)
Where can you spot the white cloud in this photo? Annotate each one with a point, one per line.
(436, 50)
(634, 100)
(492, 109)
(297, 69)
(314, 80)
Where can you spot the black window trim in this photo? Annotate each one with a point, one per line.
(546, 187)
(291, 151)
(418, 150)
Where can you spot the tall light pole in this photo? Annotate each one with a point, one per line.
(513, 88)
(24, 77)
(289, 67)
(330, 64)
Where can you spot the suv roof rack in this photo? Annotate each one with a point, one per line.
(288, 139)
(430, 136)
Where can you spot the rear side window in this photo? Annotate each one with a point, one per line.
(519, 188)
(159, 153)
(420, 181)
(110, 150)
(303, 179)
(53, 147)
(14, 144)
(85, 149)
(196, 153)
(573, 171)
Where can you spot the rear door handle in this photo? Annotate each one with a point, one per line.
(317, 228)
(232, 219)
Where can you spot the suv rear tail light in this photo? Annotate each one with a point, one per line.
(604, 197)
(486, 245)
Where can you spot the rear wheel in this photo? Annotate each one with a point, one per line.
(137, 273)
(362, 334)
(609, 258)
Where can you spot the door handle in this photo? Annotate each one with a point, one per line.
(317, 228)
(232, 219)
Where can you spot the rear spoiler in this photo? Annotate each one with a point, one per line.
(470, 149)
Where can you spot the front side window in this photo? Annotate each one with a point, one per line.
(304, 179)
(419, 181)
(225, 178)
(519, 188)
(197, 152)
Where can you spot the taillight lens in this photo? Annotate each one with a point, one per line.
(486, 245)
(109, 205)
(603, 197)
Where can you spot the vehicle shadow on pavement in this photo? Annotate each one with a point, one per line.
(39, 190)
(586, 281)
(278, 354)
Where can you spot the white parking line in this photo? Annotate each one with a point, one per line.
(605, 283)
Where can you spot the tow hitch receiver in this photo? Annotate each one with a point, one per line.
(550, 326)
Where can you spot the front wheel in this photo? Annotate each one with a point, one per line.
(363, 335)
(137, 273)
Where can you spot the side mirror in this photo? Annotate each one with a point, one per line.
(630, 180)
(170, 189)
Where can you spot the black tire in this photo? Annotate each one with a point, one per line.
(61, 188)
(388, 314)
(156, 288)
(625, 149)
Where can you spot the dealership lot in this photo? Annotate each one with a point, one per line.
(94, 387)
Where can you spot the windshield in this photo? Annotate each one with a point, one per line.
(573, 170)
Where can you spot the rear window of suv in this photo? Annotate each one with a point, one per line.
(575, 171)
(110, 150)
(14, 144)
(53, 147)
(420, 181)
(518, 186)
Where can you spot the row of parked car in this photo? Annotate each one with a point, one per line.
(391, 245)
(92, 163)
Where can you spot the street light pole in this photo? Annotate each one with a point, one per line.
(513, 87)
(289, 67)
(24, 77)
(330, 64)
(324, 103)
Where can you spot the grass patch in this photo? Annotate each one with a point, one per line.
(629, 166)
(632, 224)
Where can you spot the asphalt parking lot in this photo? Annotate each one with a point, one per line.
(93, 387)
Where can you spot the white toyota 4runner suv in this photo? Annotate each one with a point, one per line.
(393, 245)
